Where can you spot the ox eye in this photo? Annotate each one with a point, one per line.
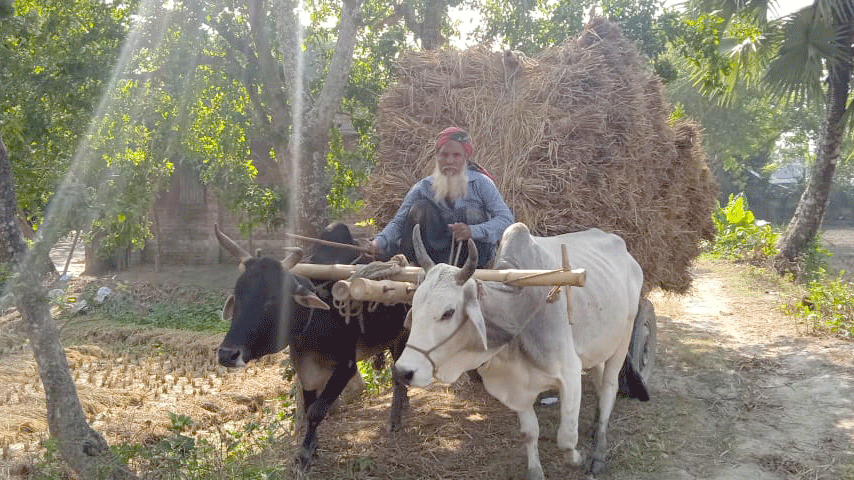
(448, 314)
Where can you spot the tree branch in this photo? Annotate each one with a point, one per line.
(323, 112)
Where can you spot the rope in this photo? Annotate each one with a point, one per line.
(375, 270)
(381, 270)
(459, 250)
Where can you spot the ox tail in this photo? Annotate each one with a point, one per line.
(631, 383)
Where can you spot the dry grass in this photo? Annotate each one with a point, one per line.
(460, 432)
(577, 137)
(128, 379)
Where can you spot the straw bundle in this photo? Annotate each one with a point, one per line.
(576, 137)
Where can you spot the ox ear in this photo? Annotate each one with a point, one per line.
(407, 324)
(308, 299)
(472, 309)
(228, 309)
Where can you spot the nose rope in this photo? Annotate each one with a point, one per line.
(308, 323)
(426, 353)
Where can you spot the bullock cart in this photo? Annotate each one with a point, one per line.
(400, 286)
(578, 136)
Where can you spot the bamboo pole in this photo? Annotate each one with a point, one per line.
(343, 272)
(524, 278)
(386, 291)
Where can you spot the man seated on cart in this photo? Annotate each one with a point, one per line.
(457, 202)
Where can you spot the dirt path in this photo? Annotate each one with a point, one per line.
(777, 404)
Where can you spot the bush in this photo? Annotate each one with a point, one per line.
(828, 304)
(739, 235)
(376, 373)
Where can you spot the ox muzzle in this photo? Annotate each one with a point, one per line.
(231, 356)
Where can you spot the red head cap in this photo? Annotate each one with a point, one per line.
(457, 134)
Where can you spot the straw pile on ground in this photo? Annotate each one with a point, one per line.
(576, 137)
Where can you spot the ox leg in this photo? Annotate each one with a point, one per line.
(319, 408)
(308, 398)
(570, 408)
(530, 427)
(596, 375)
(400, 398)
(606, 381)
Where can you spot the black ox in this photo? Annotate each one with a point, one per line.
(272, 308)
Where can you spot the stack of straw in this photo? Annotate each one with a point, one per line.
(576, 137)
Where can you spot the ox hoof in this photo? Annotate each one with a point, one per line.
(595, 465)
(536, 473)
(304, 458)
(573, 457)
(394, 425)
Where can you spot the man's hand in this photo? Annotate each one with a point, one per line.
(461, 231)
(373, 248)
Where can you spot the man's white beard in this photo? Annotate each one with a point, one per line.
(450, 188)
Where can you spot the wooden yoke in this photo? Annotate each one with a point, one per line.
(343, 272)
(400, 287)
(522, 278)
(385, 291)
(552, 296)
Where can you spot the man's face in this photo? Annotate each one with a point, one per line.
(451, 158)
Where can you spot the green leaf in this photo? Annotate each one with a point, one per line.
(809, 41)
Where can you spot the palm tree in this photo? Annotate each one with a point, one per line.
(804, 56)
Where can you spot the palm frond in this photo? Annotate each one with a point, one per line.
(726, 9)
(834, 8)
(748, 49)
(809, 40)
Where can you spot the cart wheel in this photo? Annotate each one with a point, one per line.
(641, 352)
(642, 348)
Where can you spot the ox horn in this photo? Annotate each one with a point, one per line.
(230, 245)
(424, 260)
(292, 259)
(471, 264)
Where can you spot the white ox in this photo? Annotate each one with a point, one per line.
(522, 345)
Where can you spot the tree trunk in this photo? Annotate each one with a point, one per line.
(85, 450)
(12, 245)
(312, 182)
(811, 208)
(95, 264)
(276, 117)
(45, 264)
(431, 27)
(26, 230)
(158, 265)
(71, 252)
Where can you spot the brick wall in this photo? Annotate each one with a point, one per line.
(185, 214)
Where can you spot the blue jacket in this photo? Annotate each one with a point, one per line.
(482, 195)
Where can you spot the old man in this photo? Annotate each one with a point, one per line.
(458, 201)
